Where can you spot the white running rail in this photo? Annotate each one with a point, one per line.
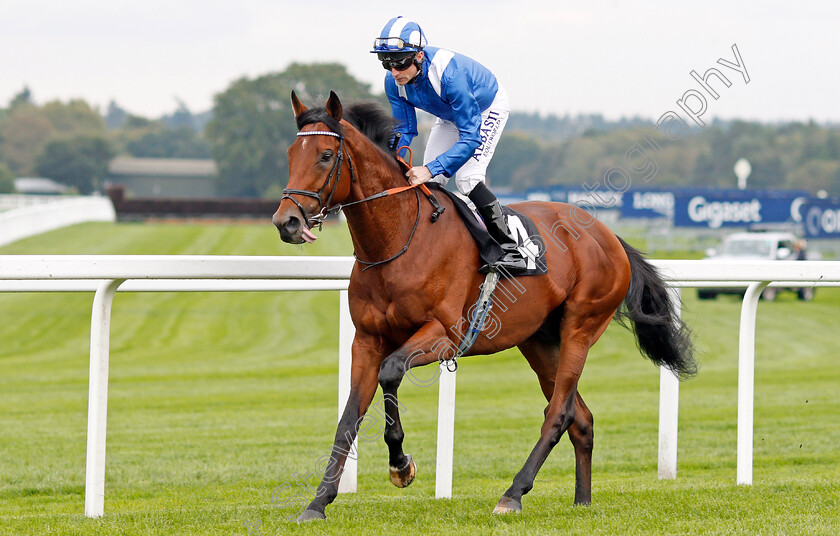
(155, 273)
(31, 215)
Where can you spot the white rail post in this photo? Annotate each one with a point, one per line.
(346, 333)
(746, 382)
(446, 434)
(100, 330)
(669, 404)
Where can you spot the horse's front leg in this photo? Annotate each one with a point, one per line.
(363, 377)
(417, 351)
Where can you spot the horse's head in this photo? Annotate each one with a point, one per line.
(320, 171)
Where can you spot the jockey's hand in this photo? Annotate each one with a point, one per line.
(418, 175)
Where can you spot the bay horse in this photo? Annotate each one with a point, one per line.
(415, 279)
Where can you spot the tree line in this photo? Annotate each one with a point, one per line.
(251, 125)
(798, 155)
(73, 143)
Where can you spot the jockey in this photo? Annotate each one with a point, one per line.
(471, 108)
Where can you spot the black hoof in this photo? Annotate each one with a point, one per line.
(310, 515)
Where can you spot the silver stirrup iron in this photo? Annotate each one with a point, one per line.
(479, 317)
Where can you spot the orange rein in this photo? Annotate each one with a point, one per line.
(422, 186)
(396, 190)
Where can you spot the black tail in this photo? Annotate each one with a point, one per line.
(660, 333)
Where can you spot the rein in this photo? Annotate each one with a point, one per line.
(369, 265)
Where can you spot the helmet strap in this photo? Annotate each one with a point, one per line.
(419, 65)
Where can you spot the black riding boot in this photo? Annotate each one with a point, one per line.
(491, 212)
(512, 261)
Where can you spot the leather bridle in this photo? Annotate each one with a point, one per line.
(335, 173)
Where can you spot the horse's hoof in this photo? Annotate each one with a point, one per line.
(507, 506)
(310, 515)
(405, 476)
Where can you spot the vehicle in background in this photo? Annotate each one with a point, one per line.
(774, 246)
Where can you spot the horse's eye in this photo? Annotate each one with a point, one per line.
(326, 156)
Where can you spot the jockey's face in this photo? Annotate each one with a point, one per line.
(404, 77)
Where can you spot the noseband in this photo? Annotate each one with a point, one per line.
(335, 173)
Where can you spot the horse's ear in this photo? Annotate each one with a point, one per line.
(298, 106)
(334, 106)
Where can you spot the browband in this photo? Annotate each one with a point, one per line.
(320, 132)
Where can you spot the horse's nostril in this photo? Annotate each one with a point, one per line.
(292, 224)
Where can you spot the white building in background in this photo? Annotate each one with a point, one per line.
(160, 178)
(39, 185)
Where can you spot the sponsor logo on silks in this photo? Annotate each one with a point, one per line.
(489, 130)
(718, 213)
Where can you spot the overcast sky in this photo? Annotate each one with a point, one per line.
(614, 57)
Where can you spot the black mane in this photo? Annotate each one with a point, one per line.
(368, 117)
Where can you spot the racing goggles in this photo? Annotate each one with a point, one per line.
(385, 44)
(399, 63)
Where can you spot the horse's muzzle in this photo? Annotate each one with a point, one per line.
(290, 227)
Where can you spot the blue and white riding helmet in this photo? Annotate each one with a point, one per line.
(399, 36)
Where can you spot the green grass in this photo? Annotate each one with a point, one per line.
(217, 400)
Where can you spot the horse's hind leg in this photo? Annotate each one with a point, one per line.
(581, 435)
(542, 357)
(578, 333)
(400, 465)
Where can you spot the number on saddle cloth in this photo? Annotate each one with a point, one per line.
(528, 241)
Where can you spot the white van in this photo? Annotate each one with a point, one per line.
(774, 246)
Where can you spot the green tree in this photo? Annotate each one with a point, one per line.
(115, 117)
(80, 161)
(24, 134)
(132, 130)
(182, 142)
(74, 117)
(794, 155)
(137, 122)
(22, 98)
(7, 179)
(514, 151)
(816, 175)
(28, 128)
(146, 138)
(180, 118)
(253, 123)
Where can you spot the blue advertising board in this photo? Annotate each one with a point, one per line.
(821, 218)
(737, 208)
(648, 204)
(687, 206)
